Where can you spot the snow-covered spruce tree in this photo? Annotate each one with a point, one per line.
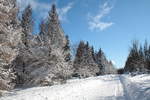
(84, 63)
(93, 54)
(148, 59)
(19, 63)
(44, 61)
(105, 66)
(10, 38)
(79, 55)
(100, 59)
(27, 24)
(43, 33)
(53, 31)
(67, 50)
(146, 53)
(135, 61)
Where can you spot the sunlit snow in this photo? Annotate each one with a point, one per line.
(108, 87)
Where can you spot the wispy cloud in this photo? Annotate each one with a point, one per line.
(42, 8)
(63, 11)
(96, 22)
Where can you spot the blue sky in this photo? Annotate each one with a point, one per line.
(107, 24)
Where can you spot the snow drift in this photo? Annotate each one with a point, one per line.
(108, 87)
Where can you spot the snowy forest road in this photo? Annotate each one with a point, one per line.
(107, 87)
(114, 89)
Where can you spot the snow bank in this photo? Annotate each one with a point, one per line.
(137, 87)
(108, 87)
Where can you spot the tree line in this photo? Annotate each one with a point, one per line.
(138, 60)
(45, 58)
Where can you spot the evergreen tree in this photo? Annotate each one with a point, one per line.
(105, 66)
(42, 28)
(79, 54)
(67, 49)
(145, 49)
(27, 24)
(93, 54)
(84, 63)
(141, 52)
(43, 33)
(135, 61)
(51, 58)
(54, 30)
(146, 54)
(10, 37)
(148, 59)
(100, 57)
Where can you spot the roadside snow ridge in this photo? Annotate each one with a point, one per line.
(108, 87)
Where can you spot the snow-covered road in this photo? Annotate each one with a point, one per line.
(109, 87)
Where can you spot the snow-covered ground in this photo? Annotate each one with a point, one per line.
(108, 87)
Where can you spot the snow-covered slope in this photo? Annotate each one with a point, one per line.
(109, 87)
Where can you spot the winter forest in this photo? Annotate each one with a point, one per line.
(46, 58)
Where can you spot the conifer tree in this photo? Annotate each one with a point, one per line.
(43, 33)
(10, 37)
(93, 53)
(27, 24)
(148, 59)
(54, 30)
(135, 61)
(146, 54)
(100, 57)
(79, 54)
(67, 49)
(84, 63)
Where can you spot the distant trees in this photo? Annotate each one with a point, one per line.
(89, 63)
(84, 63)
(138, 59)
(105, 66)
(120, 71)
(45, 58)
(147, 55)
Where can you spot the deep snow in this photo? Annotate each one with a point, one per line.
(108, 87)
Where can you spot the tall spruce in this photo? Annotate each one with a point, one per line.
(100, 57)
(84, 63)
(135, 61)
(79, 54)
(105, 66)
(10, 38)
(93, 53)
(54, 29)
(27, 24)
(146, 54)
(67, 51)
(148, 59)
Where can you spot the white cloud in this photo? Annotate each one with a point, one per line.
(95, 22)
(36, 5)
(63, 11)
(42, 8)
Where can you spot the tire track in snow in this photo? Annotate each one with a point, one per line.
(126, 91)
(119, 90)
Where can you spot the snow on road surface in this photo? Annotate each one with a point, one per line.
(108, 87)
